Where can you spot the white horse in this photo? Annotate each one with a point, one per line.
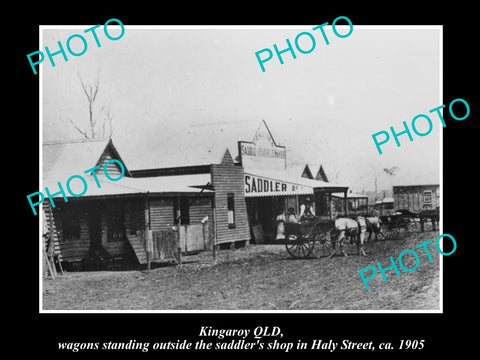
(356, 229)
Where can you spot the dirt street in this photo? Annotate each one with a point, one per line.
(257, 277)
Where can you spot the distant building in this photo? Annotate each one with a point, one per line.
(384, 206)
(416, 198)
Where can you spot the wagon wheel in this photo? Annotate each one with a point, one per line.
(388, 232)
(322, 243)
(299, 249)
(404, 228)
(403, 231)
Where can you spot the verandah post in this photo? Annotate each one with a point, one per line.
(179, 244)
(214, 246)
(345, 203)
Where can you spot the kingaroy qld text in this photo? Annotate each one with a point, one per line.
(414, 126)
(80, 46)
(303, 46)
(68, 184)
(400, 261)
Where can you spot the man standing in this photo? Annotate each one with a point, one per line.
(306, 210)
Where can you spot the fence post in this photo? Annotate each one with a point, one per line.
(149, 248)
(214, 240)
(179, 245)
(203, 235)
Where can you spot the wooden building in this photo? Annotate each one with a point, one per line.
(272, 185)
(384, 207)
(357, 204)
(191, 193)
(416, 198)
(111, 222)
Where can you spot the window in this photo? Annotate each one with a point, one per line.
(427, 200)
(70, 223)
(137, 217)
(183, 211)
(427, 197)
(116, 223)
(68, 217)
(231, 210)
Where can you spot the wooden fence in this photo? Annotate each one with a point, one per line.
(164, 245)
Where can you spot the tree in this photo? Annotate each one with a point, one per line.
(91, 92)
(377, 173)
(392, 171)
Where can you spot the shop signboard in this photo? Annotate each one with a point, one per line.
(262, 152)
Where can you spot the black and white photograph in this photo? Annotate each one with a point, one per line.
(280, 187)
(243, 184)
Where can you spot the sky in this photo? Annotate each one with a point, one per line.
(323, 106)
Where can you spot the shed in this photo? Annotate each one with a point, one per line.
(417, 197)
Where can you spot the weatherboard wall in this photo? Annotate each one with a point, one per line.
(229, 178)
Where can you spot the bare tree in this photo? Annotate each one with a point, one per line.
(378, 173)
(104, 114)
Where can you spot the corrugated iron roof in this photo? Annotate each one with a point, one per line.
(64, 159)
(350, 195)
(129, 186)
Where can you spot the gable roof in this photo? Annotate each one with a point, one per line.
(62, 159)
(318, 172)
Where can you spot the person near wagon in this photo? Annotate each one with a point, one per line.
(306, 210)
(292, 224)
(280, 224)
(291, 216)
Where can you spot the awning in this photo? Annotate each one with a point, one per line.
(273, 183)
(175, 184)
(350, 196)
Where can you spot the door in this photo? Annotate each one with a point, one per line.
(266, 215)
(95, 228)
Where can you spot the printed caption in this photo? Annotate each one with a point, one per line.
(260, 338)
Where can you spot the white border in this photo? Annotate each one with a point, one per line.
(239, 27)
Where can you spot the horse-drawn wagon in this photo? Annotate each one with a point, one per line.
(318, 237)
(310, 238)
(398, 225)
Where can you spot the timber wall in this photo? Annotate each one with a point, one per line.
(229, 178)
(412, 197)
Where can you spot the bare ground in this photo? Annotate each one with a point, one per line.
(258, 277)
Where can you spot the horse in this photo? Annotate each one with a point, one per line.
(354, 228)
(433, 215)
(374, 224)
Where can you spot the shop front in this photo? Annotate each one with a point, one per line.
(272, 186)
(266, 197)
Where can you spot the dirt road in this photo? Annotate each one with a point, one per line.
(257, 278)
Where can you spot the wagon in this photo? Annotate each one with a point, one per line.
(397, 226)
(311, 238)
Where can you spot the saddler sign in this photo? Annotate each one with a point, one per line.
(262, 186)
(264, 163)
(262, 152)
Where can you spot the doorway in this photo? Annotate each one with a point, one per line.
(95, 228)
